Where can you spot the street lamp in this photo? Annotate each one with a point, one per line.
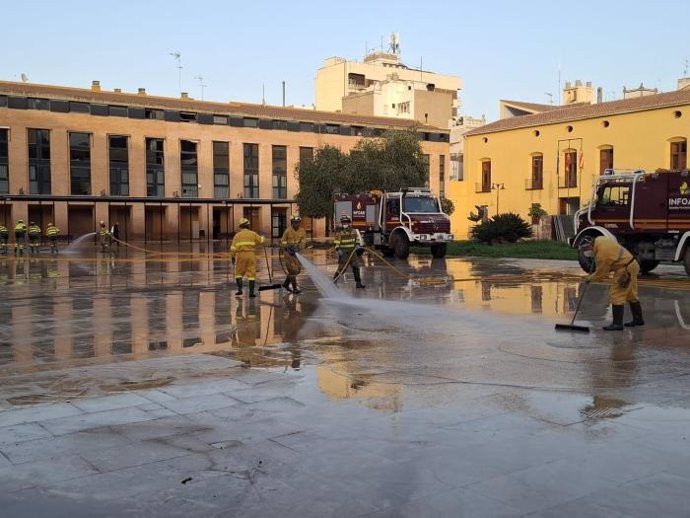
(498, 187)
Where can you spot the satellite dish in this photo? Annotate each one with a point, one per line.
(24, 78)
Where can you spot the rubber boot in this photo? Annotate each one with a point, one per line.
(251, 289)
(295, 289)
(286, 284)
(637, 320)
(335, 276)
(617, 324)
(238, 293)
(358, 278)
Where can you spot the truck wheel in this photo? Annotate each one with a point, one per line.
(686, 260)
(647, 265)
(438, 251)
(401, 245)
(586, 263)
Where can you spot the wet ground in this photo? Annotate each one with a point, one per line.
(138, 384)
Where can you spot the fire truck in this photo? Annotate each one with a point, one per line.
(394, 221)
(648, 213)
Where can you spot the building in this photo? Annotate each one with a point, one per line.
(165, 168)
(552, 157)
(382, 85)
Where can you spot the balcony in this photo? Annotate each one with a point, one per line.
(567, 182)
(482, 187)
(534, 184)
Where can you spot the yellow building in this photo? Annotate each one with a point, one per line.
(165, 168)
(552, 157)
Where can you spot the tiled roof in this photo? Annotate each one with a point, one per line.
(530, 107)
(230, 108)
(588, 111)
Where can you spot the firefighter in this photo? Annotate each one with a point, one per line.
(103, 237)
(52, 233)
(243, 254)
(34, 235)
(19, 237)
(4, 237)
(609, 257)
(293, 240)
(349, 247)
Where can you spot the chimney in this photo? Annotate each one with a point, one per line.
(95, 86)
(118, 90)
(600, 95)
(142, 91)
(184, 95)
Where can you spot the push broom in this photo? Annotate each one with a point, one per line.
(270, 278)
(572, 326)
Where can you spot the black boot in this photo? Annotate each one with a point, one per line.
(358, 278)
(251, 289)
(295, 289)
(238, 280)
(617, 324)
(286, 284)
(637, 320)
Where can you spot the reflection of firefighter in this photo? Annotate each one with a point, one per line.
(294, 239)
(349, 247)
(103, 237)
(609, 257)
(52, 233)
(243, 254)
(34, 237)
(292, 322)
(4, 237)
(247, 331)
(19, 237)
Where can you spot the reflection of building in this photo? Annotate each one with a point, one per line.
(165, 168)
(551, 155)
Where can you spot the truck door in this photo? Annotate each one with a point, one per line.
(651, 203)
(612, 210)
(678, 201)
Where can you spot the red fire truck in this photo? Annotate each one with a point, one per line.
(394, 221)
(648, 213)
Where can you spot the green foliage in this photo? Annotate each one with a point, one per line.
(501, 228)
(447, 205)
(536, 211)
(533, 249)
(318, 180)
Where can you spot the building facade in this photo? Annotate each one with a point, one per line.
(553, 157)
(165, 168)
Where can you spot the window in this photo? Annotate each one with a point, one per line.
(679, 152)
(486, 176)
(251, 170)
(605, 160)
(250, 122)
(118, 156)
(280, 125)
(404, 107)
(117, 111)
(306, 154)
(425, 163)
(187, 117)
(537, 180)
(456, 167)
(613, 195)
(279, 172)
(80, 163)
(221, 169)
(422, 205)
(442, 175)
(38, 104)
(155, 167)
(78, 107)
(570, 163)
(39, 161)
(189, 168)
(278, 222)
(220, 119)
(154, 114)
(306, 126)
(4, 161)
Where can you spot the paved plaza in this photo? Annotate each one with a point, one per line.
(139, 385)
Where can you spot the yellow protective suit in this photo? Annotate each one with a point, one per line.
(612, 257)
(243, 250)
(298, 239)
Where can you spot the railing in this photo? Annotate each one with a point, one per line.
(567, 182)
(480, 187)
(533, 184)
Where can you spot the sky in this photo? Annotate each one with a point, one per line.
(518, 50)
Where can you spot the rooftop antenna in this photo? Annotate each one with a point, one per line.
(201, 84)
(178, 57)
(25, 79)
(263, 94)
(685, 69)
(394, 44)
(550, 97)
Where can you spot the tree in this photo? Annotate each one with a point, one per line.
(447, 205)
(319, 179)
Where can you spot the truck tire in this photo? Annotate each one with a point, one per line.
(438, 251)
(647, 265)
(686, 260)
(401, 246)
(586, 263)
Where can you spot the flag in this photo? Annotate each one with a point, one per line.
(582, 161)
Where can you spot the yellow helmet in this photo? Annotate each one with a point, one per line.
(244, 222)
(295, 219)
(50, 224)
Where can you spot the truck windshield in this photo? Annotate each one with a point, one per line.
(613, 195)
(414, 204)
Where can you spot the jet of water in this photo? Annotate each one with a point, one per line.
(72, 248)
(325, 285)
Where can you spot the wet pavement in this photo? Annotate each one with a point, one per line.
(138, 384)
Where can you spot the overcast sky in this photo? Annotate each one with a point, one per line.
(501, 49)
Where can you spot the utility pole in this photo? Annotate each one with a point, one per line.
(178, 57)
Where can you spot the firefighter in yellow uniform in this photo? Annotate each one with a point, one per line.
(4, 237)
(103, 237)
(243, 254)
(609, 257)
(349, 247)
(294, 239)
(19, 237)
(34, 235)
(52, 233)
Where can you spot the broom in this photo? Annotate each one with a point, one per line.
(270, 278)
(571, 326)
